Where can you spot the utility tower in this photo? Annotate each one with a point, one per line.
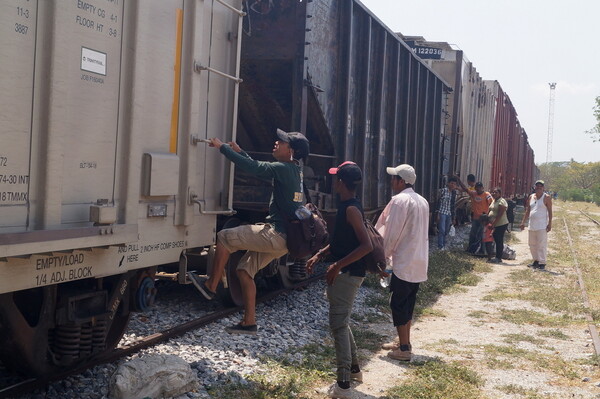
(550, 123)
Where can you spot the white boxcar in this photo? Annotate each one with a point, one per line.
(102, 176)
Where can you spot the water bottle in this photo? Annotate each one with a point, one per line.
(302, 213)
(385, 281)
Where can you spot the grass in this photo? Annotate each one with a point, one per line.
(584, 235)
(593, 360)
(438, 380)
(526, 316)
(516, 338)
(554, 333)
(542, 289)
(366, 339)
(283, 378)
(501, 356)
(478, 314)
(447, 271)
(513, 389)
(551, 291)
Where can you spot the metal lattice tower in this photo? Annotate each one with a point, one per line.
(550, 123)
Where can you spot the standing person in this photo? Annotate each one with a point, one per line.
(480, 202)
(446, 206)
(404, 227)
(538, 208)
(262, 242)
(498, 219)
(349, 244)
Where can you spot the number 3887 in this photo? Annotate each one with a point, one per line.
(22, 29)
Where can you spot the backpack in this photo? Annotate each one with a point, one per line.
(306, 236)
(374, 260)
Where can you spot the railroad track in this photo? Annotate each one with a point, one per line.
(29, 385)
(587, 215)
(591, 324)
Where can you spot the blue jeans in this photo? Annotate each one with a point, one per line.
(443, 229)
(475, 236)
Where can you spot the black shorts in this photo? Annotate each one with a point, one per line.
(402, 300)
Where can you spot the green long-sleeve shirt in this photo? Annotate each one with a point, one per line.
(287, 193)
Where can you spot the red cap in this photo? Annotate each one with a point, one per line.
(334, 171)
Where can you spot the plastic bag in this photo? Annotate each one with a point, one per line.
(509, 253)
(452, 231)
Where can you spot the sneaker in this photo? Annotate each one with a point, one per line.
(336, 392)
(239, 328)
(358, 376)
(397, 354)
(534, 264)
(200, 284)
(541, 266)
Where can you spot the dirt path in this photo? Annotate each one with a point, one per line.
(469, 331)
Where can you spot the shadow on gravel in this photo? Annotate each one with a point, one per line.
(550, 272)
(416, 360)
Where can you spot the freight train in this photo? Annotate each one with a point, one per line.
(106, 184)
(486, 138)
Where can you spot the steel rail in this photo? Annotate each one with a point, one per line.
(30, 385)
(587, 215)
(586, 302)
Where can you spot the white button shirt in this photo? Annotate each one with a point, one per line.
(404, 225)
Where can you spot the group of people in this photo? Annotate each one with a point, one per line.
(488, 217)
(403, 224)
(491, 218)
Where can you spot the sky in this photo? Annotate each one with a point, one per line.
(524, 45)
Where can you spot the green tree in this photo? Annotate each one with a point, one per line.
(584, 176)
(595, 131)
(574, 181)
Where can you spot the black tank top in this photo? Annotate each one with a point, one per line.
(344, 239)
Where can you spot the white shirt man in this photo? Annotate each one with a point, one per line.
(404, 225)
(538, 207)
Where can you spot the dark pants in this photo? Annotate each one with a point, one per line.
(475, 236)
(499, 239)
(402, 300)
